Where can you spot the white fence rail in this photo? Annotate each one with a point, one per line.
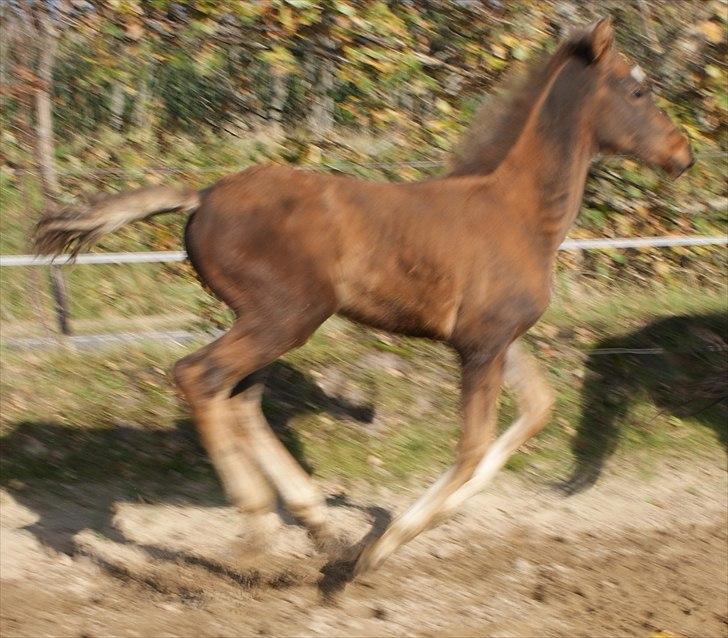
(176, 256)
(149, 257)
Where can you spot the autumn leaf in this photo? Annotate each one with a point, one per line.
(712, 31)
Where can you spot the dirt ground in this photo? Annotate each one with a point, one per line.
(626, 557)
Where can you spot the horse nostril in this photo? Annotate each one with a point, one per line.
(677, 166)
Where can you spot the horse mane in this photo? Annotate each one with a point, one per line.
(498, 123)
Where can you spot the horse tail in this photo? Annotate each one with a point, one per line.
(72, 228)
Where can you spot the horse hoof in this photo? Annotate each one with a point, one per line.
(246, 549)
(369, 559)
(259, 537)
(328, 543)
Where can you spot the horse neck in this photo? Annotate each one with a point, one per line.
(551, 158)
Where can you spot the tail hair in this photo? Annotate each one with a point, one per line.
(70, 229)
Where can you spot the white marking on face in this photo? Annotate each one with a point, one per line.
(638, 74)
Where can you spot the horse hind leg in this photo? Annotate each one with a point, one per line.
(295, 488)
(244, 483)
(247, 455)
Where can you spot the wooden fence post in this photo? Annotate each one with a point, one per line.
(47, 44)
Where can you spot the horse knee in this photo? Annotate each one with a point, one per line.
(199, 376)
(467, 462)
(183, 375)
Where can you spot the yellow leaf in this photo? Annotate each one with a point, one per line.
(662, 269)
(134, 31)
(443, 106)
(712, 31)
(314, 155)
(287, 19)
(642, 211)
(712, 71)
(499, 51)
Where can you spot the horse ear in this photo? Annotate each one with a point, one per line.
(600, 39)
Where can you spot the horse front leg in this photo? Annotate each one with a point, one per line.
(481, 384)
(534, 399)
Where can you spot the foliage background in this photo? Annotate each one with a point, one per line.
(158, 91)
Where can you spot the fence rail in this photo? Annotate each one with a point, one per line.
(147, 257)
(179, 255)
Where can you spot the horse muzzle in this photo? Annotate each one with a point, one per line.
(677, 164)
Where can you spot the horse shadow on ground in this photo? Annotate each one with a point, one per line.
(73, 478)
(683, 373)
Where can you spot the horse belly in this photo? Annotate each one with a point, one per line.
(417, 300)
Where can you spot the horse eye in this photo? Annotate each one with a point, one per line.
(638, 93)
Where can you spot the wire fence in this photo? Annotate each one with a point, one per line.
(180, 337)
(341, 165)
(169, 256)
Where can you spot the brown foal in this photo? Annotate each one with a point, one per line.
(466, 259)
